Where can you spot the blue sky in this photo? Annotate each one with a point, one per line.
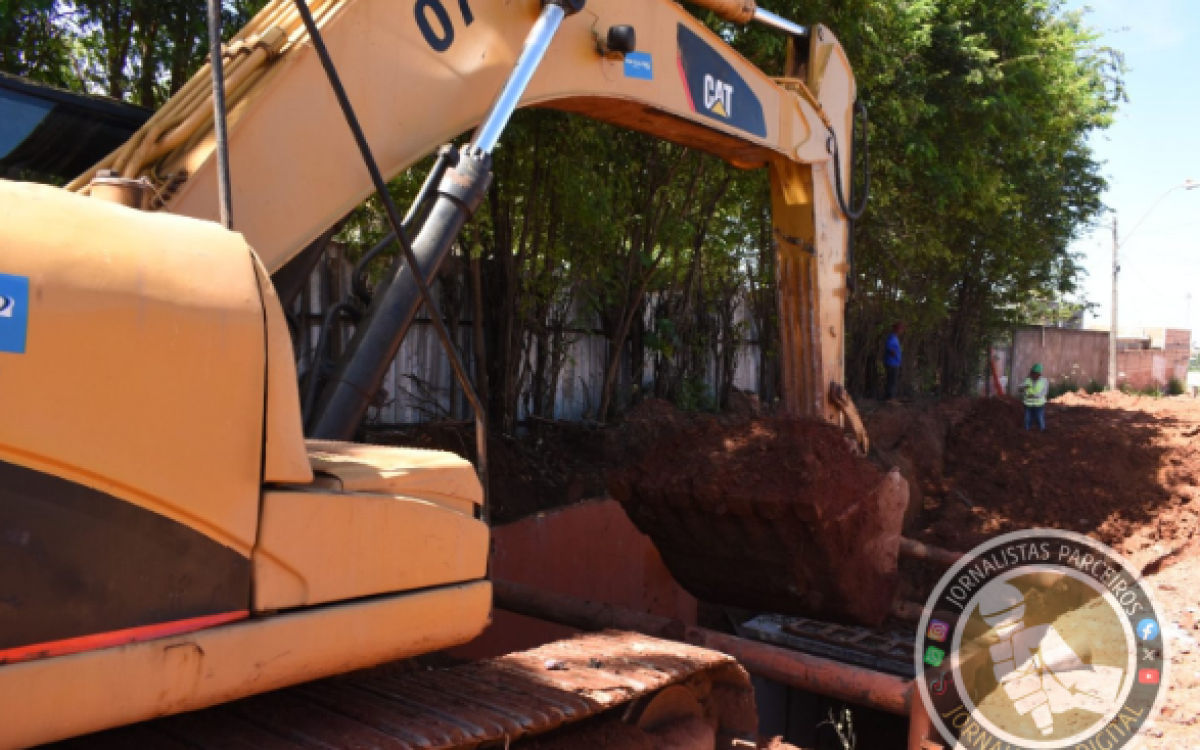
(1154, 145)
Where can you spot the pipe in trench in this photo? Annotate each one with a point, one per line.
(864, 687)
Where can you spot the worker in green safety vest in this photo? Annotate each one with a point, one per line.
(1034, 390)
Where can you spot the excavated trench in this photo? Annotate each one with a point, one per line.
(780, 515)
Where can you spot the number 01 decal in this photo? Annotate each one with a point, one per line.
(434, 21)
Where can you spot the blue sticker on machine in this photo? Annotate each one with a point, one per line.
(714, 87)
(639, 65)
(14, 313)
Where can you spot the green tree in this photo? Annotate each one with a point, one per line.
(140, 51)
(35, 43)
(981, 111)
(980, 115)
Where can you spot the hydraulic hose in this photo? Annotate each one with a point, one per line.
(853, 213)
(446, 156)
(318, 359)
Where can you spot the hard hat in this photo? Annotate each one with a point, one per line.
(1037, 368)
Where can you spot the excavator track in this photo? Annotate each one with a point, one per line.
(571, 685)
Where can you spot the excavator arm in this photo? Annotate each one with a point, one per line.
(420, 72)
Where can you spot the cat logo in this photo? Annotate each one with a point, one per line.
(709, 82)
(718, 97)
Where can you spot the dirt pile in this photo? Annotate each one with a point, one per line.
(770, 514)
(913, 439)
(555, 464)
(1122, 469)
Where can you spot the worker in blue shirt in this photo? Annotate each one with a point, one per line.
(891, 360)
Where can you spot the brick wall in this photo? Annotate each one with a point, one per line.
(1144, 368)
(1078, 356)
(1082, 356)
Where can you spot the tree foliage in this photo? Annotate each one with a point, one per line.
(981, 111)
(140, 51)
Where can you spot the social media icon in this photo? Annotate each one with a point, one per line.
(934, 656)
(1147, 630)
(1148, 676)
(941, 684)
(938, 630)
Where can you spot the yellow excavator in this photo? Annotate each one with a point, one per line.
(175, 533)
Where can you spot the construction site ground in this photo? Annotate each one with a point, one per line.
(1122, 469)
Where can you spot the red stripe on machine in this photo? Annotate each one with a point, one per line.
(683, 78)
(99, 641)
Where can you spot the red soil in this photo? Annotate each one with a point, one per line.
(775, 514)
(1124, 469)
(1121, 469)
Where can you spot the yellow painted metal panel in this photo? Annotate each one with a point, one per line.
(318, 547)
(836, 93)
(436, 476)
(288, 135)
(51, 699)
(285, 458)
(143, 373)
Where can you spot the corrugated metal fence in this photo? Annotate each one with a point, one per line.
(420, 385)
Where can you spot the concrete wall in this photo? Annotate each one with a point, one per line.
(1080, 356)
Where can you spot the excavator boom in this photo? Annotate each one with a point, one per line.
(420, 73)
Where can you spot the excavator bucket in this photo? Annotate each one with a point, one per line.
(775, 515)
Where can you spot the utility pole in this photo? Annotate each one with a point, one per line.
(1112, 333)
